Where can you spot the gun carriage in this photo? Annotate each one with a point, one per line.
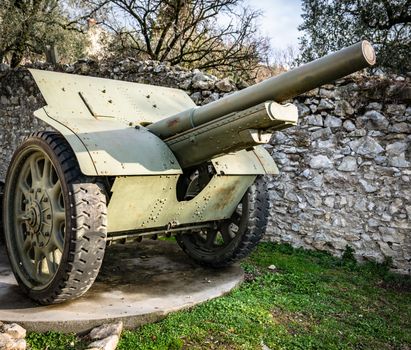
(128, 161)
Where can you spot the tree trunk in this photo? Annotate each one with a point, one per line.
(16, 59)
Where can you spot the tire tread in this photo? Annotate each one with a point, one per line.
(87, 215)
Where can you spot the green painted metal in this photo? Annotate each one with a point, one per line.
(266, 160)
(103, 134)
(140, 202)
(99, 119)
(83, 156)
(256, 161)
(109, 99)
(279, 88)
(236, 131)
(238, 163)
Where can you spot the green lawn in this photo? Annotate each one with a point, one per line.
(310, 301)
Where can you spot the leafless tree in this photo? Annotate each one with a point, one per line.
(284, 58)
(216, 35)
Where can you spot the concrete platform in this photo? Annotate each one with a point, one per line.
(138, 283)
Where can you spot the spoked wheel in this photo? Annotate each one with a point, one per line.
(54, 221)
(232, 239)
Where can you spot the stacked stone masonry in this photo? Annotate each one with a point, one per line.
(345, 170)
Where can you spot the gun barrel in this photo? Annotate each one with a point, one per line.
(279, 88)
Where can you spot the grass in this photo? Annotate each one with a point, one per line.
(310, 300)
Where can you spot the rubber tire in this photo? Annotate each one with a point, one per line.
(86, 222)
(257, 198)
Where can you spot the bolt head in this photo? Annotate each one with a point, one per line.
(45, 199)
(49, 217)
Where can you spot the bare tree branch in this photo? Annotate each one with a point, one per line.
(207, 34)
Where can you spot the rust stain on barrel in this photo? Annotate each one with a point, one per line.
(173, 122)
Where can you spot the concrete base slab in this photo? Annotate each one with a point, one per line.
(138, 284)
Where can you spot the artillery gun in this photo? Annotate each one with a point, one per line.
(128, 161)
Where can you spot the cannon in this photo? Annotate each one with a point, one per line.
(126, 161)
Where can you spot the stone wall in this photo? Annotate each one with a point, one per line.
(345, 169)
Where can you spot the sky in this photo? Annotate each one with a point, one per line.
(280, 21)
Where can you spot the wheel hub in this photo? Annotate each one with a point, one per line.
(34, 217)
(38, 216)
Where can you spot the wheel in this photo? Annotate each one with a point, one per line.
(232, 239)
(54, 220)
